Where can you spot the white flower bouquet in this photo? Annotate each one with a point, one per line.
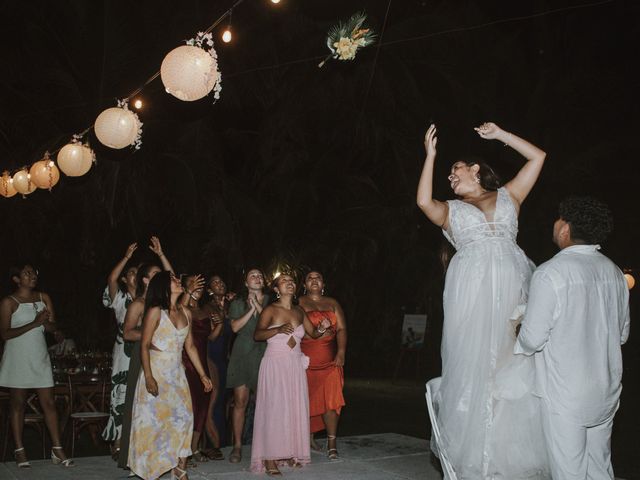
(345, 39)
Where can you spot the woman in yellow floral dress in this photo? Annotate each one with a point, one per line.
(162, 417)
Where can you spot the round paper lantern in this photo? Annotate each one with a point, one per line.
(22, 182)
(45, 174)
(6, 185)
(75, 159)
(630, 280)
(117, 127)
(189, 73)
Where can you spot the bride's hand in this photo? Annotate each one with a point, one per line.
(488, 130)
(430, 141)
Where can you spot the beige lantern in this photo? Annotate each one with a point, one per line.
(75, 159)
(22, 182)
(6, 186)
(630, 280)
(189, 73)
(44, 173)
(117, 127)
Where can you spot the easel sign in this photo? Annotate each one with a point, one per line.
(413, 330)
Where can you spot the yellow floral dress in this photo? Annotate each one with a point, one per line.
(161, 427)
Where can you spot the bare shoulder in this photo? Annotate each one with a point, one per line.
(8, 303)
(303, 302)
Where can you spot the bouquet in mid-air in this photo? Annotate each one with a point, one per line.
(345, 39)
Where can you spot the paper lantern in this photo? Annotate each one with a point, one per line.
(22, 182)
(630, 280)
(45, 174)
(75, 159)
(6, 186)
(189, 73)
(117, 127)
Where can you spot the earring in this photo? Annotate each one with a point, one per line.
(322, 292)
(477, 178)
(277, 294)
(304, 291)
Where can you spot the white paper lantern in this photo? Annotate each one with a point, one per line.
(22, 182)
(117, 127)
(75, 159)
(189, 73)
(45, 174)
(6, 186)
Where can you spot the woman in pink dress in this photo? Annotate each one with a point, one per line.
(281, 423)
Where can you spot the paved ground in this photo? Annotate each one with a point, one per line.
(387, 456)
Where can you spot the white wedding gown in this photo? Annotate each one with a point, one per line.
(488, 419)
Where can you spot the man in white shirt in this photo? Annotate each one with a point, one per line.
(576, 320)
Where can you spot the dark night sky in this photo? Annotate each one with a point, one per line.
(314, 166)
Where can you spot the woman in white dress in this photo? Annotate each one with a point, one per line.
(24, 317)
(486, 414)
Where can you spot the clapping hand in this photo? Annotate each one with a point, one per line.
(194, 283)
(216, 318)
(42, 317)
(325, 325)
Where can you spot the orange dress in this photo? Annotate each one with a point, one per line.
(325, 379)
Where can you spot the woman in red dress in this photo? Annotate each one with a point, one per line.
(326, 354)
(204, 326)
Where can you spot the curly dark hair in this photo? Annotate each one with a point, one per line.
(589, 219)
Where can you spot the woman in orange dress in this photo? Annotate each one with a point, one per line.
(326, 354)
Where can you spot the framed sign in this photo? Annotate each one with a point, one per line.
(413, 329)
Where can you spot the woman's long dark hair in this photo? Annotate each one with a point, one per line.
(489, 180)
(159, 291)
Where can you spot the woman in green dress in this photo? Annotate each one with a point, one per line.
(244, 363)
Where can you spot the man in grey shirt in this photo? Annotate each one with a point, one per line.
(576, 320)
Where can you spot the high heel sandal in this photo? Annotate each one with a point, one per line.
(181, 472)
(332, 453)
(272, 471)
(24, 464)
(67, 462)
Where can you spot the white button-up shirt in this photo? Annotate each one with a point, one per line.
(577, 317)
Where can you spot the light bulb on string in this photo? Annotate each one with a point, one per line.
(275, 1)
(137, 104)
(226, 35)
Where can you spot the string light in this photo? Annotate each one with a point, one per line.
(226, 36)
(137, 104)
(275, 1)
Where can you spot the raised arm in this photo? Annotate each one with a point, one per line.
(241, 321)
(520, 186)
(156, 248)
(149, 324)
(435, 210)
(114, 276)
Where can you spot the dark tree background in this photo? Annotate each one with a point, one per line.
(313, 167)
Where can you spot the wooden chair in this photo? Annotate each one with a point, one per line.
(89, 406)
(433, 386)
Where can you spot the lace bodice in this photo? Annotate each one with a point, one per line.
(468, 224)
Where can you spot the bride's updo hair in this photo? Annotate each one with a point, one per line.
(489, 180)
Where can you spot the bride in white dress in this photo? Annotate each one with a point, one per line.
(487, 417)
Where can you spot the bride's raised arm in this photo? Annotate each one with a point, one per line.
(520, 186)
(435, 210)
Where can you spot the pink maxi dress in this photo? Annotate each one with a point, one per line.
(281, 423)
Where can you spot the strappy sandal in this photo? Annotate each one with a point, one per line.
(67, 462)
(24, 464)
(293, 463)
(181, 473)
(214, 454)
(332, 453)
(272, 471)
